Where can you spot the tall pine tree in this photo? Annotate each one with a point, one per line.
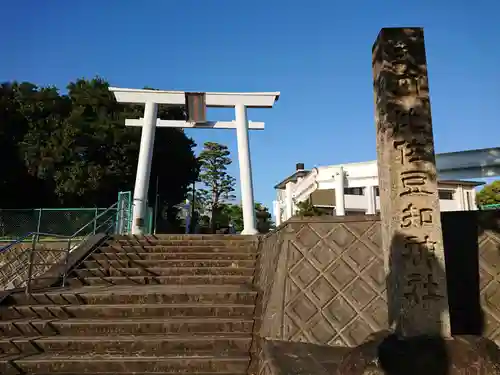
(218, 184)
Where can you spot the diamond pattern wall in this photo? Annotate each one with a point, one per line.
(335, 284)
(489, 276)
(323, 281)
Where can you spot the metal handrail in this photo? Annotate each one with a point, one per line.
(15, 242)
(95, 219)
(35, 239)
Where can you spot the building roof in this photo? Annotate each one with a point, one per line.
(299, 173)
(462, 182)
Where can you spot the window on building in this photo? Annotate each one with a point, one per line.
(354, 191)
(445, 194)
(354, 212)
(377, 191)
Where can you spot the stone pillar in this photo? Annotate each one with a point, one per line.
(288, 200)
(339, 192)
(370, 200)
(144, 168)
(473, 201)
(277, 212)
(411, 223)
(459, 198)
(246, 184)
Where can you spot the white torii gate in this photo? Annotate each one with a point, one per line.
(238, 101)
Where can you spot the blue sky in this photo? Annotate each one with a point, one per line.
(317, 53)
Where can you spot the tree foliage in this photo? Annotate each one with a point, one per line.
(73, 150)
(264, 221)
(489, 194)
(233, 213)
(218, 183)
(18, 108)
(217, 192)
(306, 208)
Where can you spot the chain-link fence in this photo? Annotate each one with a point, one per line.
(15, 223)
(490, 207)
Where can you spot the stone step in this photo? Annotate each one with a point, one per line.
(184, 243)
(144, 294)
(158, 271)
(104, 263)
(221, 344)
(16, 372)
(178, 249)
(115, 364)
(218, 237)
(124, 311)
(125, 326)
(172, 256)
(155, 280)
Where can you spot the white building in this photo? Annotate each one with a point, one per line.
(352, 188)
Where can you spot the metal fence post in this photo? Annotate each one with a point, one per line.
(119, 212)
(129, 213)
(39, 223)
(66, 261)
(95, 219)
(31, 259)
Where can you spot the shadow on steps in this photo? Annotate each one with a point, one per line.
(296, 358)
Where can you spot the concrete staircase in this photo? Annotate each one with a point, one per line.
(146, 305)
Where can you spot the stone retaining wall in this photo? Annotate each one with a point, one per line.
(322, 279)
(14, 262)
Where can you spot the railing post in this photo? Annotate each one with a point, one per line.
(65, 271)
(95, 219)
(31, 259)
(39, 223)
(118, 213)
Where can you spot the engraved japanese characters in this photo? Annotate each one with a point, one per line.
(411, 224)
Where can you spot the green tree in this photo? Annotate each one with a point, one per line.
(233, 213)
(199, 200)
(489, 194)
(264, 221)
(22, 104)
(306, 208)
(76, 148)
(218, 184)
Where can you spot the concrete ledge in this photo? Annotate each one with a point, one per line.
(284, 358)
(324, 219)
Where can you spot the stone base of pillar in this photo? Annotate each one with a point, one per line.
(249, 232)
(387, 354)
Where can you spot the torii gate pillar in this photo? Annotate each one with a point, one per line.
(196, 114)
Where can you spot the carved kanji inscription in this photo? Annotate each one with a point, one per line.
(414, 182)
(414, 216)
(420, 289)
(409, 202)
(412, 151)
